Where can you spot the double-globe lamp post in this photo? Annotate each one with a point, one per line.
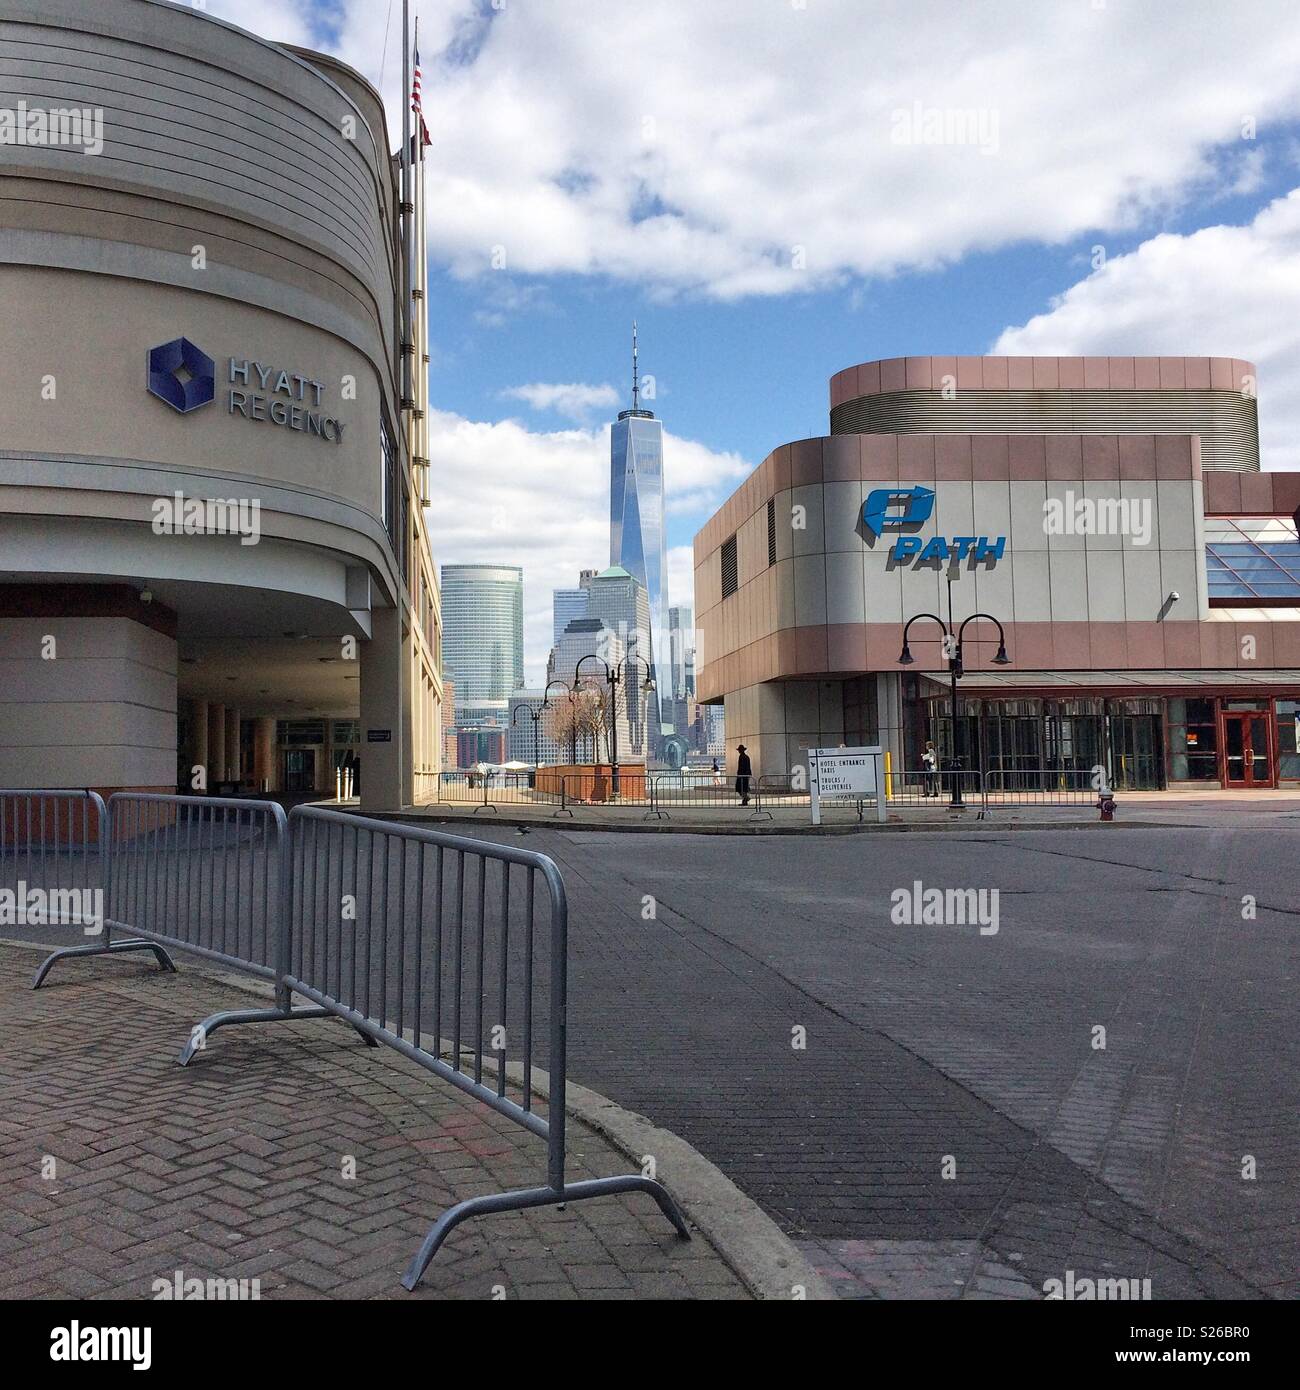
(952, 649)
(614, 676)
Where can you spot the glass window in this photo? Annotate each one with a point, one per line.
(1288, 738)
(1252, 558)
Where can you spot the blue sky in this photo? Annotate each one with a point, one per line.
(776, 189)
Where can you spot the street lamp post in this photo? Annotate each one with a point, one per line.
(952, 649)
(614, 676)
(535, 715)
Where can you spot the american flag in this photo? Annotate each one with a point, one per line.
(417, 105)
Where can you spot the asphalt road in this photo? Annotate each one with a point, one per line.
(934, 1043)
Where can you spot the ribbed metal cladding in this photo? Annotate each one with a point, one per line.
(1226, 421)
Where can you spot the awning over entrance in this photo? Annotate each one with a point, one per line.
(1082, 682)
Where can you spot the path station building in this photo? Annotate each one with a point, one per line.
(1108, 512)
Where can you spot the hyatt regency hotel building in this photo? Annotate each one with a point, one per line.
(1108, 512)
(214, 568)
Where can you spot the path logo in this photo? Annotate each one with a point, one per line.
(182, 375)
(918, 503)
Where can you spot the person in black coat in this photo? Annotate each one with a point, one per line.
(744, 771)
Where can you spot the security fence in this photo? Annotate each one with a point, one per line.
(453, 952)
(1042, 786)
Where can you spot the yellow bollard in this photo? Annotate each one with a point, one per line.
(889, 775)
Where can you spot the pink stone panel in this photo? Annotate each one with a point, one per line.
(1286, 644)
(1027, 456)
(1146, 373)
(1070, 371)
(1064, 457)
(1100, 456)
(1047, 374)
(1096, 373)
(1218, 644)
(1182, 645)
(970, 374)
(941, 367)
(1029, 645)
(1071, 649)
(990, 462)
(1173, 374)
(893, 374)
(1197, 373)
(1221, 374)
(1256, 493)
(810, 649)
(787, 646)
(995, 372)
(1222, 493)
(1020, 373)
(1121, 373)
(842, 458)
(919, 373)
(1137, 456)
(781, 467)
(869, 379)
(1173, 456)
(880, 458)
(805, 462)
(846, 647)
(1286, 493)
(916, 458)
(952, 458)
(1108, 644)
(1146, 646)
(844, 386)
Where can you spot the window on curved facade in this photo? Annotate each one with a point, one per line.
(1252, 560)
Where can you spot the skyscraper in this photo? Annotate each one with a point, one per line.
(637, 541)
(567, 604)
(483, 638)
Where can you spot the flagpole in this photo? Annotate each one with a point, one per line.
(407, 194)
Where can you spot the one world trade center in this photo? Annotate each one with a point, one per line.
(636, 509)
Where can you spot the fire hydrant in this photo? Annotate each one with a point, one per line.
(1106, 805)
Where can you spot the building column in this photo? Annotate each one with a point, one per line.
(266, 773)
(232, 745)
(198, 749)
(383, 674)
(216, 744)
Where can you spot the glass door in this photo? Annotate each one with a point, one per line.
(1247, 754)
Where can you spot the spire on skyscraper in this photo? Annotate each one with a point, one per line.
(636, 379)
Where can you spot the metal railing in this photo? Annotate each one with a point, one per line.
(425, 942)
(56, 843)
(1042, 786)
(690, 790)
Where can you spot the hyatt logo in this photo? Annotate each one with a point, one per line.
(182, 375)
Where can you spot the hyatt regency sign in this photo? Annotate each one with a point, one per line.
(185, 377)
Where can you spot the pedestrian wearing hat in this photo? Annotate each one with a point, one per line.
(744, 771)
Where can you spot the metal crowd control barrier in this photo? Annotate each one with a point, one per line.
(443, 942)
(692, 790)
(56, 842)
(1042, 786)
(408, 935)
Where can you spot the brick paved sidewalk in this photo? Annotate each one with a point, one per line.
(233, 1169)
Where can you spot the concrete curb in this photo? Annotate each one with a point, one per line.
(943, 827)
(760, 1254)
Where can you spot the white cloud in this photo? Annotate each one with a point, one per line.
(574, 400)
(707, 147)
(541, 500)
(1228, 291)
(694, 146)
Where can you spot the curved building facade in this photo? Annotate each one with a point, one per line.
(214, 549)
(1151, 603)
